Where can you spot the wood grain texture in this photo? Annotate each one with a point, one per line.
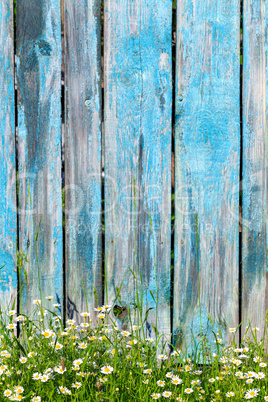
(207, 169)
(8, 274)
(83, 155)
(39, 152)
(255, 165)
(138, 103)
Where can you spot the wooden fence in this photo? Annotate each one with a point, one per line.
(97, 129)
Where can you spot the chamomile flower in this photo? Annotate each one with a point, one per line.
(45, 378)
(85, 314)
(82, 345)
(101, 316)
(211, 380)
(37, 301)
(232, 330)
(60, 370)
(169, 375)
(162, 357)
(84, 324)
(251, 393)
(260, 375)
(156, 396)
(230, 394)
(76, 385)
(23, 359)
(262, 364)
(47, 333)
(147, 371)
(36, 376)
(10, 326)
(257, 359)
(160, 383)
(249, 381)
(188, 390)
(176, 380)
(166, 394)
(77, 362)
(266, 398)
(98, 309)
(145, 381)
(12, 312)
(106, 369)
(125, 333)
(36, 399)
(7, 392)
(18, 389)
(255, 329)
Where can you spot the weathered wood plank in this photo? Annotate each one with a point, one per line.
(138, 103)
(255, 165)
(8, 274)
(39, 154)
(207, 168)
(83, 155)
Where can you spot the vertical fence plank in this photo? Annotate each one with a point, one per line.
(8, 275)
(83, 155)
(207, 168)
(255, 165)
(39, 136)
(138, 103)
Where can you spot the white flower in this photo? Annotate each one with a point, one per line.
(176, 380)
(230, 394)
(255, 329)
(7, 392)
(12, 312)
(125, 333)
(251, 393)
(36, 399)
(85, 314)
(162, 357)
(36, 376)
(44, 312)
(188, 390)
(10, 326)
(169, 375)
(175, 353)
(211, 380)
(232, 330)
(156, 396)
(106, 369)
(37, 302)
(77, 362)
(84, 324)
(166, 394)
(76, 384)
(160, 383)
(45, 378)
(23, 359)
(47, 333)
(260, 375)
(49, 297)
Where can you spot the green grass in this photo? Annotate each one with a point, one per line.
(100, 362)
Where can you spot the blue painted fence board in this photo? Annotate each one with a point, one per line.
(137, 121)
(207, 168)
(8, 274)
(83, 156)
(39, 150)
(255, 165)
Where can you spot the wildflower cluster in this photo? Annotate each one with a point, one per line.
(49, 361)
